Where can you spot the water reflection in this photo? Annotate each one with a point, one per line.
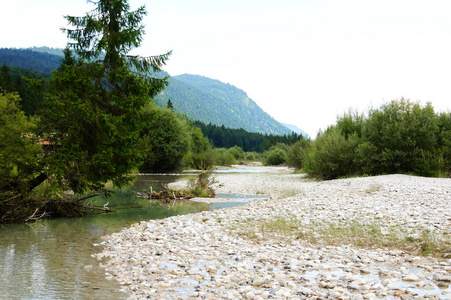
(51, 259)
(156, 182)
(46, 260)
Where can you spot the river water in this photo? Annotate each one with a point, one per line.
(51, 259)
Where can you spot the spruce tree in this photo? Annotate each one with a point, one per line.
(96, 98)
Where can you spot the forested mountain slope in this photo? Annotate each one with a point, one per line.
(200, 98)
(29, 59)
(212, 101)
(296, 129)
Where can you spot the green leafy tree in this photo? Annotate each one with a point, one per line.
(276, 156)
(20, 153)
(444, 145)
(401, 137)
(297, 153)
(331, 155)
(237, 152)
(29, 84)
(96, 99)
(6, 79)
(351, 123)
(200, 155)
(223, 157)
(170, 105)
(165, 139)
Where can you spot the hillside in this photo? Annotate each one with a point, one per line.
(212, 101)
(200, 98)
(29, 59)
(296, 129)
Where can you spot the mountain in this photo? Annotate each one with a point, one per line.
(296, 129)
(212, 101)
(200, 98)
(29, 59)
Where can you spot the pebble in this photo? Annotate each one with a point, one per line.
(194, 256)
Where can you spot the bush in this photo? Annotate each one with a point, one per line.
(297, 153)
(252, 156)
(276, 157)
(237, 152)
(403, 134)
(200, 155)
(444, 145)
(224, 157)
(399, 137)
(20, 153)
(331, 155)
(201, 186)
(165, 140)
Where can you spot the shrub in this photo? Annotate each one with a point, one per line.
(332, 155)
(200, 155)
(201, 186)
(165, 140)
(20, 153)
(237, 152)
(276, 157)
(403, 133)
(252, 156)
(297, 153)
(224, 157)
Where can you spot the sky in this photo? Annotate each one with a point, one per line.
(304, 62)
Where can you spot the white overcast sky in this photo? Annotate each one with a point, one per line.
(303, 61)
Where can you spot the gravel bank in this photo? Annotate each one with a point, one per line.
(234, 254)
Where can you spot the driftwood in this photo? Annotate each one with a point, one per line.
(27, 211)
(168, 195)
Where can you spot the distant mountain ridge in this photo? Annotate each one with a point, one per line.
(218, 103)
(37, 59)
(296, 129)
(200, 98)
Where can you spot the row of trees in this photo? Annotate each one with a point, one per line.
(28, 83)
(222, 137)
(399, 137)
(97, 123)
(31, 58)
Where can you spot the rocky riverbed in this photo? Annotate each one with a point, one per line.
(358, 238)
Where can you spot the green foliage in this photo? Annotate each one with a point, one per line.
(20, 152)
(399, 137)
(443, 152)
(276, 156)
(29, 59)
(95, 100)
(332, 155)
(165, 139)
(29, 84)
(297, 153)
(169, 105)
(237, 152)
(223, 157)
(212, 101)
(200, 155)
(404, 136)
(222, 137)
(252, 156)
(351, 123)
(201, 186)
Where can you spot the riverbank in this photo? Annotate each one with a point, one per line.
(304, 242)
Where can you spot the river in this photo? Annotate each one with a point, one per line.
(51, 259)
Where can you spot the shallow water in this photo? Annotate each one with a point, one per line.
(243, 169)
(51, 259)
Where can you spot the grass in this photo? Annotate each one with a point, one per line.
(374, 187)
(289, 193)
(353, 233)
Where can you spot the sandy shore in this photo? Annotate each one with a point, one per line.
(280, 248)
